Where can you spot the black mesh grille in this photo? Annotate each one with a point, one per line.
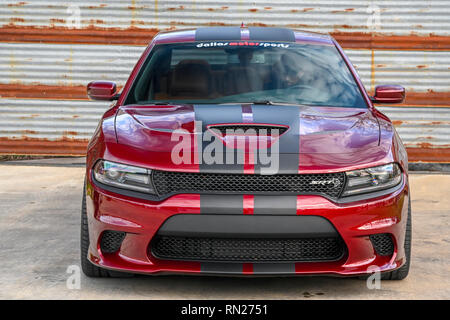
(247, 250)
(383, 244)
(329, 184)
(268, 129)
(111, 241)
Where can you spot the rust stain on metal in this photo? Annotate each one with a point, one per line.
(359, 40)
(43, 91)
(429, 98)
(423, 123)
(101, 5)
(179, 8)
(421, 66)
(55, 20)
(89, 35)
(344, 26)
(141, 36)
(15, 19)
(213, 24)
(30, 116)
(70, 133)
(18, 4)
(343, 11)
(93, 22)
(253, 10)
(29, 132)
(75, 92)
(37, 146)
(428, 154)
(217, 9)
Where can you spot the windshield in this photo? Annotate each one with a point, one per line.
(246, 72)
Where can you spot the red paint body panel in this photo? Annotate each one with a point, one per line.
(331, 140)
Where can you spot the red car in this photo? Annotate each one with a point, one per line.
(245, 151)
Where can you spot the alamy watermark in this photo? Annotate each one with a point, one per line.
(74, 19)
(374, 280)
(373, 22)
(228, 146)
(73, 282)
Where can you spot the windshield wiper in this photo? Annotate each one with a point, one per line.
(265, 102)
(274, 103)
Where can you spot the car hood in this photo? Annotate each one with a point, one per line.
(318, 131)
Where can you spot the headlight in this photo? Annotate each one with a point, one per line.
(372, 179)
(123, 176)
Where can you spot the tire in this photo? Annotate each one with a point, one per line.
(89, 269)
(403, 271)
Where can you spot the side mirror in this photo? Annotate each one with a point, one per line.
(389, 94)
(102, 90)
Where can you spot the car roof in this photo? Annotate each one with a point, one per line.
(241, 34)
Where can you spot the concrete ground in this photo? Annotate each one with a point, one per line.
(39, 230)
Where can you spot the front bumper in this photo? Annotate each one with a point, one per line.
(141, 220)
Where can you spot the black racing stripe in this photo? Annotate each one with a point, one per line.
(217, 33)
(221, 268)
(275, 205)
(271, 34)
(221, 204)
(213, 114)
(288, 143)
(273, 268)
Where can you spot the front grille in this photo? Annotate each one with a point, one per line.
(247, 250)
(383, 244)
(329, 184)
(111, 241)
(267, 130)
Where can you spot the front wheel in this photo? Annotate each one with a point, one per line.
(403, 271)
(89, 269)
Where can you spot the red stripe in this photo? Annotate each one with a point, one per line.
(249, 162)
(249, 203)
(247, 268)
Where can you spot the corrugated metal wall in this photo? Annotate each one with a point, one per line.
(49, 51)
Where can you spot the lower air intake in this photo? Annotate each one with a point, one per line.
(111, 241)
(383, 244)
(247, 250)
